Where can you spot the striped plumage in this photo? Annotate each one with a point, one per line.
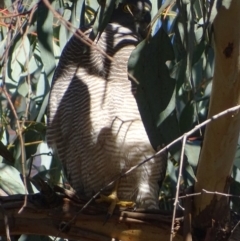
(94, 124)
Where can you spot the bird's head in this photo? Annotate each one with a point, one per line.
(133, 14)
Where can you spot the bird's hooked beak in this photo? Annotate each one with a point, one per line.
(141, 13)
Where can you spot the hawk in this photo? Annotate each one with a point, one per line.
(94, 125)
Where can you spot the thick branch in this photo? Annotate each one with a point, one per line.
(38, 217)
(221, 136)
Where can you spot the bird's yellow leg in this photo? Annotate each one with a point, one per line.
(114, 201)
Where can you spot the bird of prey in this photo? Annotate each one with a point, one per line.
(94, 125)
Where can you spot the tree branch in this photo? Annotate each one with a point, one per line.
(58, 218)
(221, 137)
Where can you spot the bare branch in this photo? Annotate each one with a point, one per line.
(41, 217)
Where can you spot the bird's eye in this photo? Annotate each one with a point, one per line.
(128, 8)
(147, 8)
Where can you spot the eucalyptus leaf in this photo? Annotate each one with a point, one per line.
(187, 117)
(192, 151)
(3, 45)
(19, 58)
(103, 17)
(10, 180)
(6, 154)
(155, 89)
(8, 3)
(23, 87)
(45, 38)
(77, 16)
(63, 32)
(199, 50)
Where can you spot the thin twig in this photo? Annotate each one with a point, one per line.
(190, 195)
(26, 144)
(208, 192)
(219, 193)
(178, 186)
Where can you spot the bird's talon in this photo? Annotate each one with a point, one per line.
(103, 198)
(126, 204)
(114, 201)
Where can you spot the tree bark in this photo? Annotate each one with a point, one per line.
(40, 217)
(221, 136)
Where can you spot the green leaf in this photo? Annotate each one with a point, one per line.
(23, 87)
(7, 3)
(18, 59)
(3, 45)
(77, 16)
(103, 17)
(192, 151)
(45, 39)
(199, 49)
(155, 91)
(6, 154)
(10, 180)
(187, 117)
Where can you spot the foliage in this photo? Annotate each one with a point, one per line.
(176, 65)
